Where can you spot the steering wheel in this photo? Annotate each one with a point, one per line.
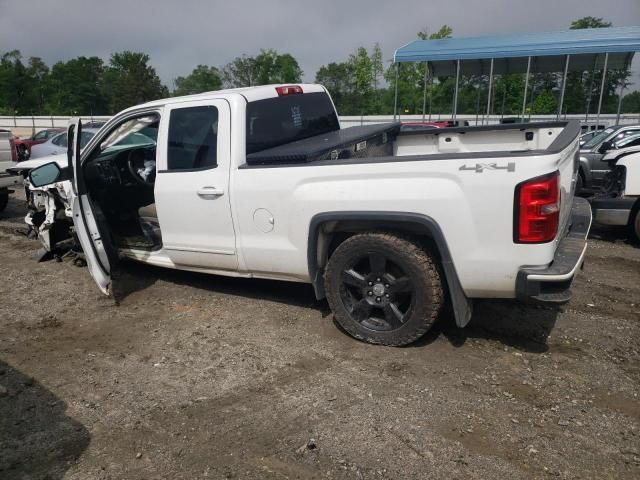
(136, 165)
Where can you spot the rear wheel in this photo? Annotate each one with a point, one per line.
(383, 288)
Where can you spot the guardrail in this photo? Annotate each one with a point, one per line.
(24, 125)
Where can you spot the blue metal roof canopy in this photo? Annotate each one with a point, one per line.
(572, 50)
(587, 48)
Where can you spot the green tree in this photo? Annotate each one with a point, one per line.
(445, 31)
(130, 80)
(265, 68)
(38, 71)
(201, 79)
(240, 72)
(545, 103)
(589, 22)
(75, 88)
(583, 88)
(16, 86)
(631, 102)
(338, 79)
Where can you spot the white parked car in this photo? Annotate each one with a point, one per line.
(388, 225)
(58, 144)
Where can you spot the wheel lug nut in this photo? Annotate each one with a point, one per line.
(377, 279)
(386, 285)
(370, 283)
(377, 299)
(387, 295)
(370, 293)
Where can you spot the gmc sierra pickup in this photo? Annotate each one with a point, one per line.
(388, 225)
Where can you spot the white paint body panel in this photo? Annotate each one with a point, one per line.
(632, 179)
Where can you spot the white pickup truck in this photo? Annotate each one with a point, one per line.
(262, 182)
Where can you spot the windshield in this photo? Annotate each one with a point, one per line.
(598, 138)
(137, 131)
(631, 140)
(280, 120)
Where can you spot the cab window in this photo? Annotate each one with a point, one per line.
(193, 138)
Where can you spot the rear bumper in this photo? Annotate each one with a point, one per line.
(612, 211)
(553, 283)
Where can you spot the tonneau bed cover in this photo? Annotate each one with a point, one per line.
(353, 142)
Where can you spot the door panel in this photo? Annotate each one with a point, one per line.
(89, 225)
(192, 185)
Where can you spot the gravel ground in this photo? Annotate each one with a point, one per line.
(196, 376)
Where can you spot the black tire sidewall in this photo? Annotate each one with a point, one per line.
(423, 309)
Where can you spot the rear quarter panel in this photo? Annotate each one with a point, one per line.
(474, 210)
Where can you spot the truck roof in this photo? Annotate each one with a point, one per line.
(249, 94)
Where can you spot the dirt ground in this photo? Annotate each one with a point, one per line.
(196, 376)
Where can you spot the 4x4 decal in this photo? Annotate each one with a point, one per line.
(481, 167)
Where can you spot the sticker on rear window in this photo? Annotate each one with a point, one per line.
(361, 146)
(296, 116)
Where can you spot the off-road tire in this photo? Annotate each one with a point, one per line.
(417, 267)
(4, 198)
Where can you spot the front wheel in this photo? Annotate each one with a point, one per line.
(383, 288)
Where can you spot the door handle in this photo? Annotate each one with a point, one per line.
(209, 192)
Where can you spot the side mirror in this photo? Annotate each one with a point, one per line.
(605, 147)
(47, 174)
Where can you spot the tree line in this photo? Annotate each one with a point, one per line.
(362, 84)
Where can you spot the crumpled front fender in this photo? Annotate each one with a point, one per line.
(43, 199)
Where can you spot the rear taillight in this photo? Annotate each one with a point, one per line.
(537, 209)
(14, 152)
(288, 90)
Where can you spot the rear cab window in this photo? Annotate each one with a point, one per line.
(280, 120)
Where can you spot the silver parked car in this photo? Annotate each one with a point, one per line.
(58, 144)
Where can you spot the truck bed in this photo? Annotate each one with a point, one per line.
(384, 141)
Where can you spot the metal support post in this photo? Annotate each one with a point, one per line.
(395, 102)
(455, 92)
(526, 88)
(604, 77)
(489, 94)
(564, 86)
(424, 93)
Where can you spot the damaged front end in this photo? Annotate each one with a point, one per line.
(50, 217)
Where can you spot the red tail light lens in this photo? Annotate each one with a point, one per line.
(288, 90)
(537, 209)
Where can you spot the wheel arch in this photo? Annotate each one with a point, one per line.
(325, 228)
(584, 169)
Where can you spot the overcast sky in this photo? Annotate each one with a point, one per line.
(179, 34)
